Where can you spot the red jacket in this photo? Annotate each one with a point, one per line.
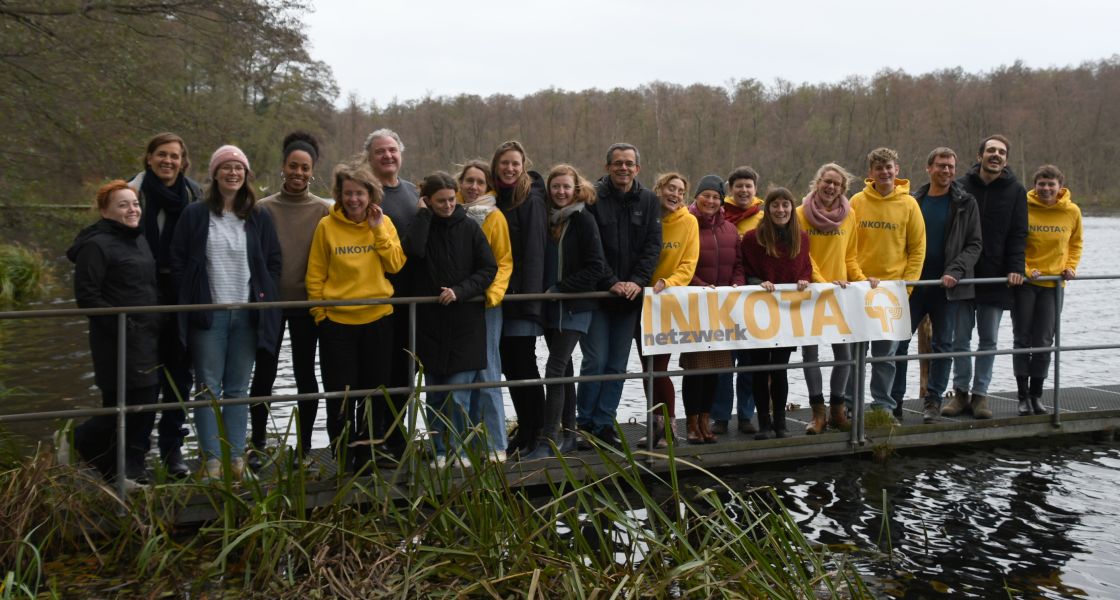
(719, 262)
(759, 267)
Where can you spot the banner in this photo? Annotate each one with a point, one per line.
(691, 319)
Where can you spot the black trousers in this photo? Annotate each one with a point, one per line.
(519, 362)
(699, 392)
(355, 356)
(304, 337)
(96, 438)
(175, 376)
(771, 388)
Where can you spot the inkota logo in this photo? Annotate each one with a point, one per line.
(888, 310)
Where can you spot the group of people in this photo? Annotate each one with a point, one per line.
(498, 228)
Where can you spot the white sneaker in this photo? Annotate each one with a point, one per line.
(62, 445)
(131, 485)
(499, 456)
(440, 462)
(238, 470)
(464, 462)
(212, 470)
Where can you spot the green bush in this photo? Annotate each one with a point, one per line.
(23, 274)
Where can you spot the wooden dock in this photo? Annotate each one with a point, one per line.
(1083, 410)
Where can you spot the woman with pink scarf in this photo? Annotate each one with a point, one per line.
(827, 217)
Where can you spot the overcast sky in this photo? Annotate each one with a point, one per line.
(386, 49)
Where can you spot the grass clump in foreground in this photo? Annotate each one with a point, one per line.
(615, 530)
(24, 274)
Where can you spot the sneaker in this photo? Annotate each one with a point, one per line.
(498, 456)
(440, 462)
(608, 436)
(763, 435)
(176, 467)
(464, 462)
(137, 471)
(931, 410)
(747, 427)
(719, 426)
(211, 470)
(132, 485)
(897, 412)
(62, 454)
(238, 471)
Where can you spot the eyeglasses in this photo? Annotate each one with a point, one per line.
(232, 167)
(629, 164)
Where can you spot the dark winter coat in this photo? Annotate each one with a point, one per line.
(579, 262)
(962, 239)
(719, 262)
(113, 267)
(191, 281)
(1003, 227)
(450, 252)
(630, 230)
(528, 232)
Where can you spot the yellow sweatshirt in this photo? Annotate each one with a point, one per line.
(834, 253)
(749, 223)
(1053, 236)
(496, 229)
(890, 232)
(680, 248)
(348, 261)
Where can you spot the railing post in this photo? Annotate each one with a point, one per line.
(122, 331)
(857, 401)
(1059, 297)
(412, 416)
(649, 404)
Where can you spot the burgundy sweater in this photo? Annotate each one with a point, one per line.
(757, 265)
(719, 262)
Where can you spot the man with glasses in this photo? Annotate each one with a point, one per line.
(629, 219)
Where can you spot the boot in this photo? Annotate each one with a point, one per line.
(958, 405)
(765, 431)
(747, 427)
(818, 423)
(980, 408)
(837, 414)
(1035, 394)
(1024, 401)
(694, 436)
(658, 432)
(780, 422)
(931, 409)
(176, 467)
(703, 423)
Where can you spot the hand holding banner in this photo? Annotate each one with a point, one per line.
(691, 319)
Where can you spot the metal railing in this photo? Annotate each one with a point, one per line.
(856, 387)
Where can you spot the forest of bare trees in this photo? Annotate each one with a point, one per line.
(84, 84)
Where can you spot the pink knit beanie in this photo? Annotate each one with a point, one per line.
(226, 154)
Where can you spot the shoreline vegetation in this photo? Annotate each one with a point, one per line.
(629, 533)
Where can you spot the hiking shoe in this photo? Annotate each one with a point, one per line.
(931, 410)
(608, 436)
(897, 411)
(958, 404)
(211, 470)
(719, 426)
(746, 426)
(980, 408)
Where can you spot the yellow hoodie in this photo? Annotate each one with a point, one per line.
(680, 248)
(891, 233)
(348, 261)
(1053, 236)
(750, 223)
(496, 229)
(834, 253)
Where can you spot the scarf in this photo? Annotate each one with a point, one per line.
(161, 198)
(734, 214)
(825, 219)
(558, 218)
(480, 208)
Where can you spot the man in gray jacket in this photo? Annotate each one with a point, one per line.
(953, 245)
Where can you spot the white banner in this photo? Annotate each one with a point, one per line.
(691, 319)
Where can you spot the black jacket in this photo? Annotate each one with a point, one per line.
(191, 282)
(579, 264)
(962, 238)
(630, 230)
(1003, 226)
(114, 267)
(528, 232)
(450, 252)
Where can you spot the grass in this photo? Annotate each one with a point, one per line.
(622, 531)
(24, 274)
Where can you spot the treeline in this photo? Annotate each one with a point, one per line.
(84, 84)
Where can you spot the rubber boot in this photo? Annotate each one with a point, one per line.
(838, 414)
(780, 422)
(1024, 396)
(1035, 394)
(957, 405)
(818, 422)
(703, 423)
(980, 408)
(694, 436)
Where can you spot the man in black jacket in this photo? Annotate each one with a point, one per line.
(952, 247)
(629, 220)
(1002, 201)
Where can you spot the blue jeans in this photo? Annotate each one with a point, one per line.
(985, 319)
(942, 313)
(606, 349)
(882, 375)
(487, 406)
(721, 408)
(223, 363)
(449, 408)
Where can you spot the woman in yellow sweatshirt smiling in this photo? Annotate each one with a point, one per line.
(1053, 248)
(353, 249)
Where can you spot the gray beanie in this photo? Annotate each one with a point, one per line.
(710, 182)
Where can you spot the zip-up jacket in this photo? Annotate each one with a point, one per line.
(630, 230)
(719, 262)
(1003, 227)
(579, 265)
(528, 232)
(962, 239)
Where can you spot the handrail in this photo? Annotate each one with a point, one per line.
(857, 383)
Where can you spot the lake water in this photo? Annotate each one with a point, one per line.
(963, 522)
